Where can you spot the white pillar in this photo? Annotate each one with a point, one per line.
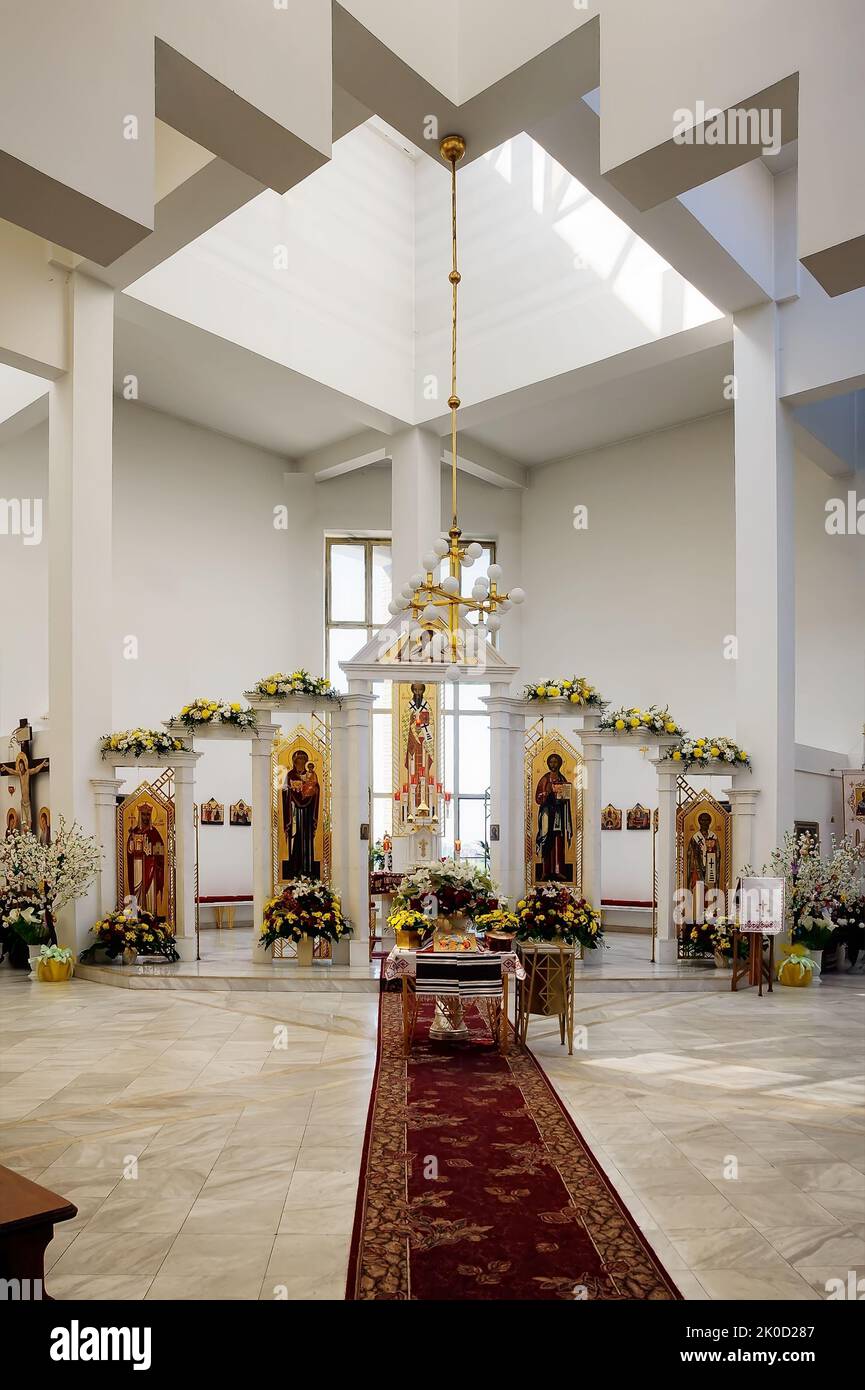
(765, 589)
(105, 791)
(416, 500)
(351, 809)
(665, 866)
(743, 803)
(593, 759)
(79, 569)
(261, 749)
(184, 855)
(507, 748)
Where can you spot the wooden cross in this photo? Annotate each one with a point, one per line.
(25, 770)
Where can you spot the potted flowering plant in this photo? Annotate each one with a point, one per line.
(306, 908)
(499, 928)
(817, 887)
(26, 923)
(574, 689)
(409, 926)
(633, 720)
(47, 877)
(131, 932)
(552, 912)
(696, 940)
(721, 937)
(460, 889)
(55, 963)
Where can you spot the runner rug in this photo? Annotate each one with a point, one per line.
(476, 1184)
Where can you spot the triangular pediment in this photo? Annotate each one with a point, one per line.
(395, 653)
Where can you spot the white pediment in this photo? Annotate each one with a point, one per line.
(393, 653)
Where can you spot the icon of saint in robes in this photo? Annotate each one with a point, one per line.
(555, 824)
(301, 800)
(145, 862)
(703, 860)
(420, 753)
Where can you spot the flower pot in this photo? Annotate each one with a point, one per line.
(129, 955)
(304, 950)
(53, 971)
(407, 938)
(499, 941)
(723, 962)
(33, 954)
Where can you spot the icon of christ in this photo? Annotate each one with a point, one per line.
(301, 803)
(555, 823)
(420, 754)
(145, 862)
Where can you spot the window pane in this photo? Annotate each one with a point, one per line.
(382, 753)
(471, 572)
(344, 643)
(472, 829)
(470, 697)
(449, 754)
(474, 769)
(347, 586)
(382, 591)
(382, 817)
(449, 687)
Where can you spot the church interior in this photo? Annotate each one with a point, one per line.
(432, 656)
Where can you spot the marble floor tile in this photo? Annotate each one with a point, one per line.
(130, 1254)
(306, 1266)
(205, 1266)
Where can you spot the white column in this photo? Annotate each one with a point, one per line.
(765, 589)
(743, 801)
(105, 791)
(79, 570)
(593, 758)
(261, 749)
(184, 855)
(667, 942)
(351, 810)
(507, 746)
(416, 500)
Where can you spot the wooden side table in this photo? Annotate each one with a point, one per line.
(28, 1215)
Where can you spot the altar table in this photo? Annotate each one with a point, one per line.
(402, 965)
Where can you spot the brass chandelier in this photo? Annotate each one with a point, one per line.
(434, 606)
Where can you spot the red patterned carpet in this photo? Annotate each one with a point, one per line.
(476, 1184)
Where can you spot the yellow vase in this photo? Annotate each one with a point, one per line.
(795, 972)
(53, 971)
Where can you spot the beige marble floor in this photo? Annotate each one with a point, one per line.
(212, 1141)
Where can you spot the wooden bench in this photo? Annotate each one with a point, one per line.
(28, 1215)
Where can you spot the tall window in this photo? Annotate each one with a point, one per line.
(357, 593)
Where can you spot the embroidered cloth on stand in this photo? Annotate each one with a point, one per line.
(472, 974)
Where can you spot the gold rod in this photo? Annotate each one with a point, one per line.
(455, 283)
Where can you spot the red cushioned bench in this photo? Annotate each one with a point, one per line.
(223, 902)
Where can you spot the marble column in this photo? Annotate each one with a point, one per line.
(665, 867)
(260, 751)
(593, 768)
(416, 500)
(765, 581)
(351, 810)
(184, 854)
(79, 570)
(105, 791)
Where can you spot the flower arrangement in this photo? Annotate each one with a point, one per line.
(58, 953)
(575, 689)
(551, 911)
(305, 907)
(696, 940)
(703, 750)
(28, 923)
(408, 925)
(721, 936)
(632, 719)
(200, 712)
(817, 888)
(499, 922)
(54, 964)
(456, 886)
(47, 877)
(140, 742)
(798, 970)
(300, 682)
(134, 930)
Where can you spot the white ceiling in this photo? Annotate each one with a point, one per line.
(652, 399)
(210, 381)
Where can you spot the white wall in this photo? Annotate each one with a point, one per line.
(641, 602)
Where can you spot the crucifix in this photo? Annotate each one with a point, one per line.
(25, 770)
